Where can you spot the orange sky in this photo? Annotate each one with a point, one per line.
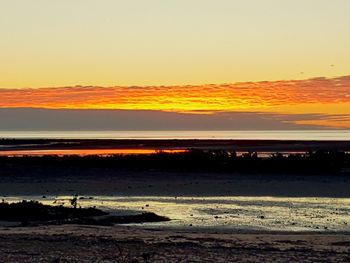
(156, 42)
(70, 55)
(327, 96)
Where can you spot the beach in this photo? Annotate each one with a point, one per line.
(197, 237)
(215, 216)
(132, 244)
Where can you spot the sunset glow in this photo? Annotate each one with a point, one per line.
(289, 59)
(313, 96)
(183, 130)
(262, 96)
(85, 152)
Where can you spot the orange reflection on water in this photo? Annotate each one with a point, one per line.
(85, 152)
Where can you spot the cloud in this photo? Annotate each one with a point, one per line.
(323, 99)
(238, 96)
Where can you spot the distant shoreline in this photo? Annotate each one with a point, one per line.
(173, 144)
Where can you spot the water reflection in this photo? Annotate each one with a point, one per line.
(84, 152)
(235, 213)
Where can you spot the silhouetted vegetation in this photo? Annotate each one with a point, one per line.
(191, 161)
(28, 211)
(74, 201)
(33, 212)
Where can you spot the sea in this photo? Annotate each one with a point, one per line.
(305, 135)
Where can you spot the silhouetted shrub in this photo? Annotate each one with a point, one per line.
(190, 161)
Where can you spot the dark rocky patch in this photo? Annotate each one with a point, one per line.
(31, 213)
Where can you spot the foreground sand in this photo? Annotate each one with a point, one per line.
(132, 244)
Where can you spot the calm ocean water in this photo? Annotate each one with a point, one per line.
(322, 135)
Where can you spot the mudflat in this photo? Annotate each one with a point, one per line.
(55, 176)
(76, 243)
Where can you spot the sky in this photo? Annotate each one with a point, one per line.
(283, 61)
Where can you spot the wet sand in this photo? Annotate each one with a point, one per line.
(78, 243)
(117, 183)
(130, 244)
